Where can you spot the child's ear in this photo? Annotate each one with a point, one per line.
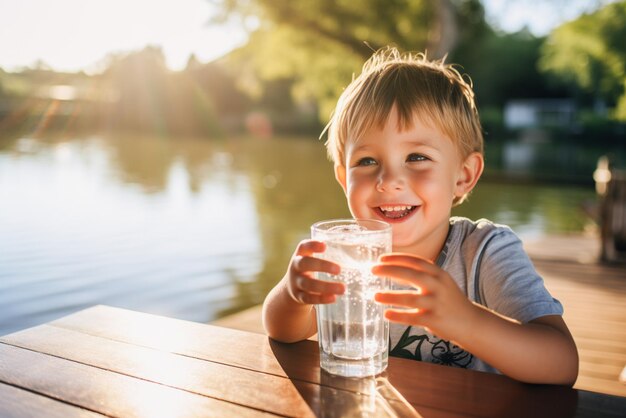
(340, 175)
(471, 171)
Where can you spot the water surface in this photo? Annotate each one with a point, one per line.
(188, 228)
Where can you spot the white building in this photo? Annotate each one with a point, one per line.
(535, 113)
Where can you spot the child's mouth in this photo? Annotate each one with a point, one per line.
(396, 212)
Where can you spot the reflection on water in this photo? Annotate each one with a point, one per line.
(192, 229)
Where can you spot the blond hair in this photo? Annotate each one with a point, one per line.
(434, 92)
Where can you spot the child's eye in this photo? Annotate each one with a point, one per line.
(365, 161)
(415, 158)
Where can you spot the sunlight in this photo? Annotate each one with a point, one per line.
(153, 401)
(46, 117)
(71, 35)
(365, 397)
(158, 365)
(62, 92)
(169, 338)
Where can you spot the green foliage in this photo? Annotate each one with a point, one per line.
(284, 53)
(602, 129)
(345, 22)
(504, 66)
(590, 52)
(620, 109)
(320, 45)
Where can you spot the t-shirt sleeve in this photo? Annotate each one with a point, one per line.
(508, 282)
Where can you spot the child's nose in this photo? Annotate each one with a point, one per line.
(390, 179)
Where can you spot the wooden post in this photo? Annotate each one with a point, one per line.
(611, 186)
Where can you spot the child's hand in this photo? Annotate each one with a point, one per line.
(302, 286)
(436, 303)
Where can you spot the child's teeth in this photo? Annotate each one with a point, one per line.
(396, 212)
(394, 208)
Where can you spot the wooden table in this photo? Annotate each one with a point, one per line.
(106, 361)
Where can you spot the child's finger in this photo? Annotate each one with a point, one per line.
(310, 247)
(411, 261)
(406, 299)
(406, 316)
(315, 299)
(306, 263)
(310, 285)
(406, 275)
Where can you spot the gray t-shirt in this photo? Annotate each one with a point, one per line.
(490, 266)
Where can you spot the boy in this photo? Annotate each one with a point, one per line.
(406, 143)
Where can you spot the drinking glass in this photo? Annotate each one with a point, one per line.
(352, 332)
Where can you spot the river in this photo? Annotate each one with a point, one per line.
(188, 228)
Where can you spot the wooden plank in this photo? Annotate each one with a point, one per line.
(206, 342)
(594, 298)
(19, 403)
(595, 292)
(300, 362)
(565, 247)
(278, 395)
(588, 329)
(493, 395)
(602, 346)
(586, 301)
(234, 385)
(610, 314)
(53, 343)
(604, 357)
(610, 299)
(371, 400)
(593, 276)
(612, 369)
(599, 385)
(246, 320)
(106, 392)
(600, 327)
(582, 321)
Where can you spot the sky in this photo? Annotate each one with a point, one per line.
(74, 35)
(539, 16)
(71, 35)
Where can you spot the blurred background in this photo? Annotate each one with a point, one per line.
(165, 156)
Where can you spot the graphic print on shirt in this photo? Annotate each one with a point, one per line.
(441, 351)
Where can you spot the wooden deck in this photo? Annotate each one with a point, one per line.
(594, 297)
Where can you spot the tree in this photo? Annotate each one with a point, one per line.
(140, 78)
(320, 44)
(407, 23)
(590, 52)
(504, 66)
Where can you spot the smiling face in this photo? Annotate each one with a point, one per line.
(408, 178)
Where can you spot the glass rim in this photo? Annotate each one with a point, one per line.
(384, 226)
